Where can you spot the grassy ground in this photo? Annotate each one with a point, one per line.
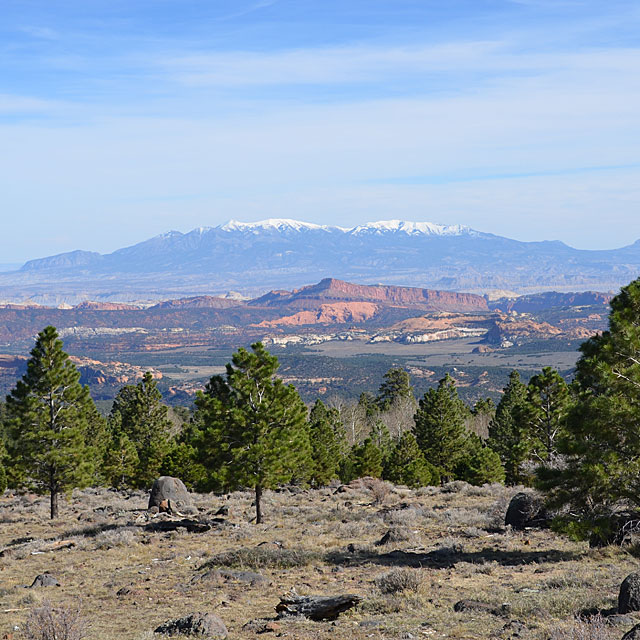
(447, 544)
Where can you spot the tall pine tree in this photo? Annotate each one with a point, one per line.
(548, 403)
(440, 426)
(328, 443)
(139, 414)
(509, 432)
(50, 415)
(600, 446)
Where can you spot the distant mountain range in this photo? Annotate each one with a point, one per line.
(255, 257)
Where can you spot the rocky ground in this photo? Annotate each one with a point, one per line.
(410, 557)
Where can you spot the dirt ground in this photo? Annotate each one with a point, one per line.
(445, 544)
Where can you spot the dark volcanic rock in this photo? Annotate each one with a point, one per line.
(316, 607)
(629, 597)
(195, 624)
(170, 496)
(526, 510)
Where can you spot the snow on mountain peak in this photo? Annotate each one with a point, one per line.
(273, 224)
(380, 227)
(411, 228)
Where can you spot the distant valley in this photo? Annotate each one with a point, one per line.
(251, 258)
(332, 337)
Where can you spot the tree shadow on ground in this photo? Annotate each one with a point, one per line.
(446, 559)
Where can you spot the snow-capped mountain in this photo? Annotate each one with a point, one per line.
(252, 257)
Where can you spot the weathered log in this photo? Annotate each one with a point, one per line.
(316, 607)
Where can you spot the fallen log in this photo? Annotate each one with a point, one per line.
(316, 607)
(192, 526)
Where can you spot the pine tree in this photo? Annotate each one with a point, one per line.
(600, 446)
(367, 460)
(258, 422)
(479, 464)
(548, 403)
(406, 464)
(3, 449)
(144, 420)
(328, 443)
(120, 457)
(440, 426)
(50, 414)
(509, 432)
(396, 386)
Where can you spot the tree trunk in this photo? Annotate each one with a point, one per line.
(54, 504)
(258, 503)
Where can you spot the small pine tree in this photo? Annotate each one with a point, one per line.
(141, 416)
(479, 464)
(509, 432)
(406, 464)
(328, 443)
(50, 414)
(367, 460)
(440, 426)
(257, 423)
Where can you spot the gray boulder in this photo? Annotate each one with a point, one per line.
(526, 510)
(207, 625)
(170, 495)
(44, 580)
(629, 596)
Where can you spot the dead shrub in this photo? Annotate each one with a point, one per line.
(48, 623)
(115, 538)
(398, 580)
(595, 628)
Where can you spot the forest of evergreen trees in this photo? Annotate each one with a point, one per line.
(579, 442)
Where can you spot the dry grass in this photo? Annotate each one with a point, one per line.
(445, 544)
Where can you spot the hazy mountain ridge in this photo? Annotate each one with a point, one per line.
(278, 253)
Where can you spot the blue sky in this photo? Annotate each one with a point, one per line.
(120, 120)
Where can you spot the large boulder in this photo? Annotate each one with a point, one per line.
(526, 510)
(629, 596)
(207, 625)
(170, 495)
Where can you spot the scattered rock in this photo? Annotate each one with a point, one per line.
(629, 597)
(316, 607)
(222, 511)
(195, 624)
(514, 629)
(260, 625)
(171, 496)
(526, 510)
(44, 580)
